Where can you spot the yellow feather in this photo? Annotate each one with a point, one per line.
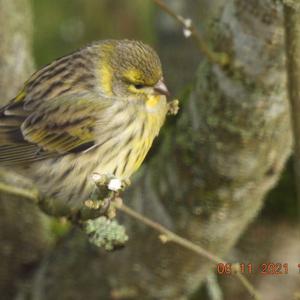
(20, 96)
(152, 101)
(133, 75)
(106, 78)
(106, 72)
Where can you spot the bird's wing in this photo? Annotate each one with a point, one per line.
(59, 126)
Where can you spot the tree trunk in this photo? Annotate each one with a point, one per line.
(22, 236)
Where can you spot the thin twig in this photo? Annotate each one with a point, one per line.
(171, 236)
(219, 58)
(20, 192)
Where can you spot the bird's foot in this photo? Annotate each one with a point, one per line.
(101, 207)
(108, 188)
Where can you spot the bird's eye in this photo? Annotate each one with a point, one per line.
(138, 86)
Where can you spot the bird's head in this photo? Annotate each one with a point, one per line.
(131, 69)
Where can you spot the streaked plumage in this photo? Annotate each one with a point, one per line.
(95, 110)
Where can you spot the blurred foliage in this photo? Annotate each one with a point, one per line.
(63, 25)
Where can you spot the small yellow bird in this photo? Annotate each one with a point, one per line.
(96, 110)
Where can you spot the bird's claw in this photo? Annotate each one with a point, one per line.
(101, 207)
(108, 188)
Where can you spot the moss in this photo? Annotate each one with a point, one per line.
(59, 227)
(106, 233)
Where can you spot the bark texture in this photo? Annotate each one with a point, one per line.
(21, 225)
(208, 178)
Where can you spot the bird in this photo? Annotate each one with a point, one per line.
(94, 111)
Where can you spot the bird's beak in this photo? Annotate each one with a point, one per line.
(160, 88)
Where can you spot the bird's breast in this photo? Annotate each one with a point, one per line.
(125, 150)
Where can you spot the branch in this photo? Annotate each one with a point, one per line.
(166, 236)
(19, 192)
(292, 30)
(189, 29)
